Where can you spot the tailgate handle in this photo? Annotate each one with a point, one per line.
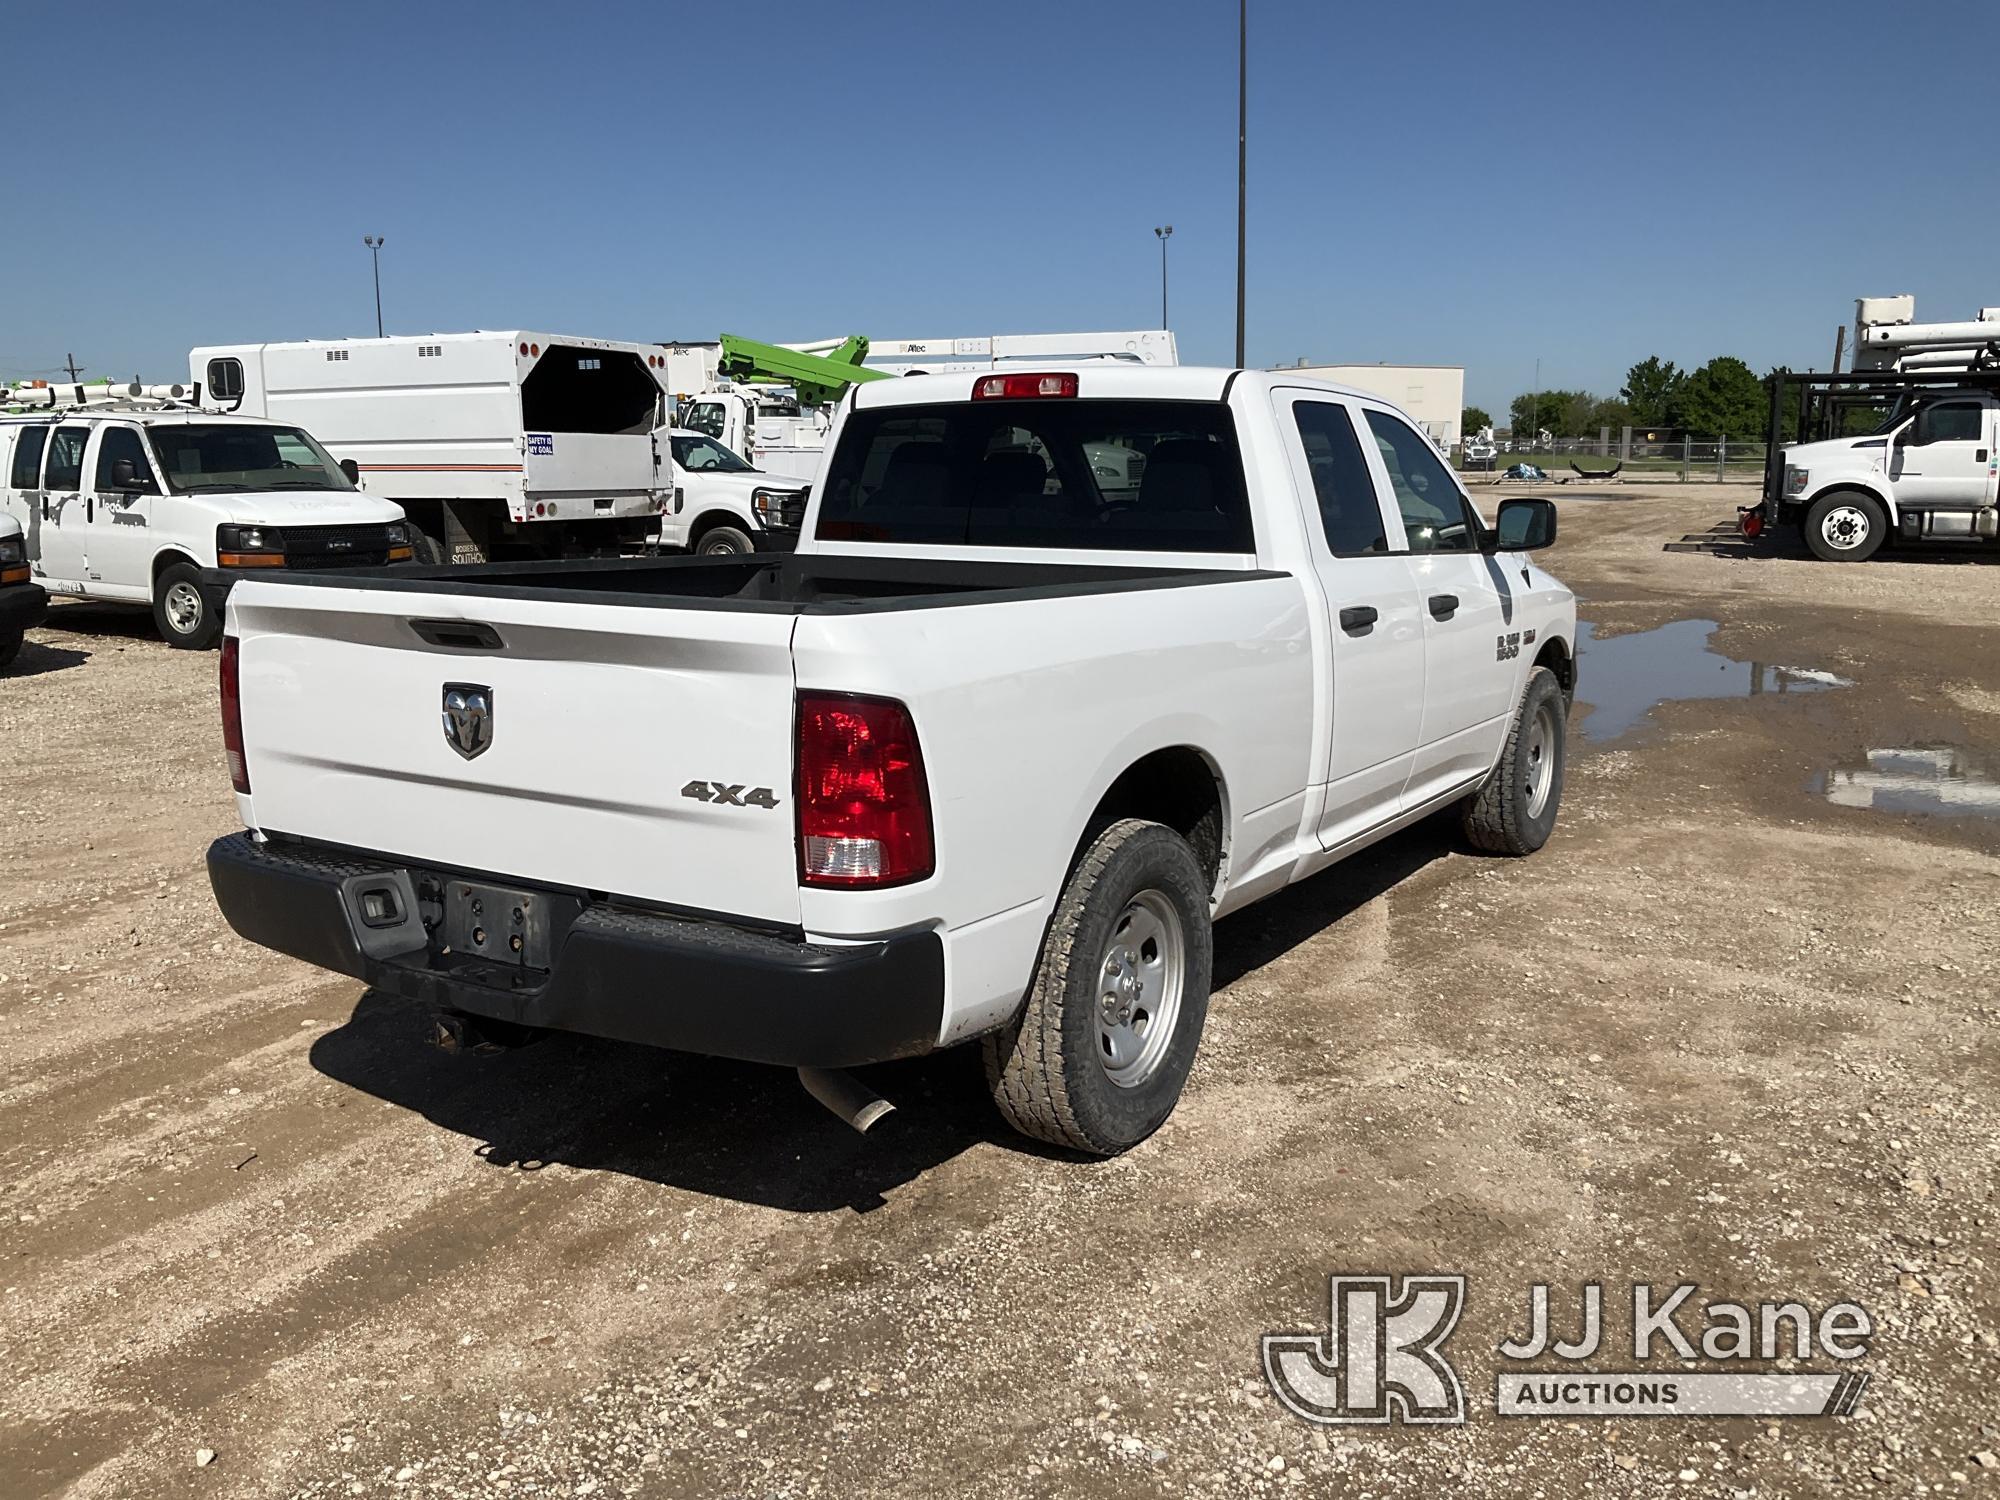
(466, 635)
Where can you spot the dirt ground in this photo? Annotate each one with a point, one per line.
(1734, 1026)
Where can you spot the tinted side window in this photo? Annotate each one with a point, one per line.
(65, 470)
(27, 470)
(117, 443)
(1348, 508)
(225, 379)
(1434, 513)
(1956, 421)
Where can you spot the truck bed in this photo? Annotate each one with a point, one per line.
(775, 584)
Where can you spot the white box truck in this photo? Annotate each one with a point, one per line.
(497, 445)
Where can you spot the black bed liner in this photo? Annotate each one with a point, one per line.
(784, 583)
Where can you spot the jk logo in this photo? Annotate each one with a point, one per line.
(1380, 1359)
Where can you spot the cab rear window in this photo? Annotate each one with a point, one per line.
(1137, 476)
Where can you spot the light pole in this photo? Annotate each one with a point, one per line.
(374, 242)
(1164, 235)
(1242, 154)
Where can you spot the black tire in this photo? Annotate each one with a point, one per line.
(427, 549)
(1048, 1070)
(182, 613)
(10, 647)
(722, 541)
(1504, 816)
(1846, 526)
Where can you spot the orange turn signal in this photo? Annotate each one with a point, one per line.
(251, 559)
(14, 575)
(401, 554)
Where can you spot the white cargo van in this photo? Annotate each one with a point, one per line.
(167, 506)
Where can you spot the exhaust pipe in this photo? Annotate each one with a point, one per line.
(847, 1096)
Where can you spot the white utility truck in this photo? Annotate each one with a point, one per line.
(23, 602)
(497, 445)
(723, 504)
(158, 503)
(1927, 471)
(983, 758)
(782, 433)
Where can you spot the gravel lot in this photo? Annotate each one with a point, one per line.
(1733, 1026)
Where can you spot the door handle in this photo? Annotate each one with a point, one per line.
(1443, 606)
(1358, 617)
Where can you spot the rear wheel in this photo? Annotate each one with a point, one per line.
(181, 611)
(1101, 1050)
(722, 541)
(1846, 526)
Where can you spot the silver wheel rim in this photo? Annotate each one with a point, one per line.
(1844, 528)
(184, 608)
(1541, 753)
(719, 547)
(1140, 976)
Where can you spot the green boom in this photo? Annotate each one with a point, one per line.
(818, 378)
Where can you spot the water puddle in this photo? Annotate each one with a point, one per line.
(1625, 677)
(1943, 782)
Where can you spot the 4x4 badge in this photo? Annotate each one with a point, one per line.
(468, 717)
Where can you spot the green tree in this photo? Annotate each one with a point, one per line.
(1724, 399)
(1652, 389)
(1612, 413)
(1556, 412)
(1473, 418)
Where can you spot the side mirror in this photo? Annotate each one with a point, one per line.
(125, 476)
(1523, 526)
(352, 470)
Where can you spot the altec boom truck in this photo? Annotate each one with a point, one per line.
(1904, 447)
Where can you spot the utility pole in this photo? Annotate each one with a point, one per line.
(375, 242)
(1164, 235)
(1242, 155)
(75, 370)
(1535, 407)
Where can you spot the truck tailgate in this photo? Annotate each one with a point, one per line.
(601, 715)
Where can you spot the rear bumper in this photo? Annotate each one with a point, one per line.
(634, 976)
(22, 607)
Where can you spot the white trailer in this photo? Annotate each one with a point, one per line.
(496, 444)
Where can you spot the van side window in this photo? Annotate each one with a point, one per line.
(27, 470)
(65, 470)
(1349, 511)
(117, 443)
(1435, 515)
(225, 379)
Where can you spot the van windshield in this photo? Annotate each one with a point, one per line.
(1135, 476)
(203, 458)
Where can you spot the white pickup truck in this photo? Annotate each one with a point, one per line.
(724, 504)
(983, 758)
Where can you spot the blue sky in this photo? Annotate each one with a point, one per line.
(1586, 184)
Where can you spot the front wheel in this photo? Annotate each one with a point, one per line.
(10, 647)
(181, 611)
(724, 541)
(1515, 811)
(1098, 1056)
(1846, 526)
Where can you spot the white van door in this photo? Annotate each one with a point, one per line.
(65, 519)
(121, 544)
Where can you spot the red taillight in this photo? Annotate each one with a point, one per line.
(232, 717)
(864, 810)
(1018, 387)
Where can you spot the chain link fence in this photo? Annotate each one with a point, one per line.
(1677, 460)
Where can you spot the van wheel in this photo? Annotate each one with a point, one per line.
(181, 611)
(722, 541)
(1846, 526)
(427, 549)
(10, 647)
(1515, 811)
(1100, 1051)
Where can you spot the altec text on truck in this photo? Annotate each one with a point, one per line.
(984, 758)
